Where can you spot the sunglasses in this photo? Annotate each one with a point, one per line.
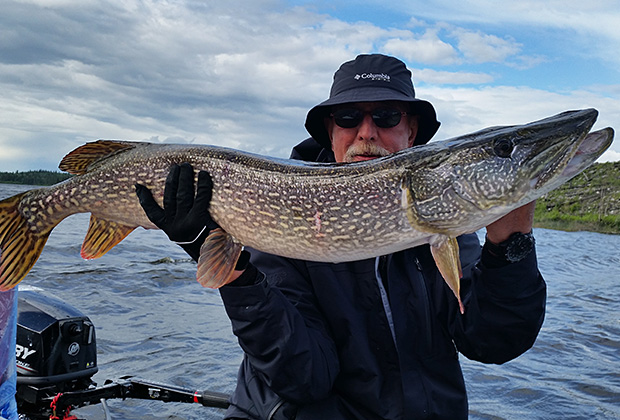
(382, 117)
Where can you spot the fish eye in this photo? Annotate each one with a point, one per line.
(503, 147)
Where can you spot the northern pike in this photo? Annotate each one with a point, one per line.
(319, 212)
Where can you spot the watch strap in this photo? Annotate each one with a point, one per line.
(514, 249)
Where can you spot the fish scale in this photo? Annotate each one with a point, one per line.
(325, 221)
(427, 194)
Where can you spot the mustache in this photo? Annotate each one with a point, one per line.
(366, 149)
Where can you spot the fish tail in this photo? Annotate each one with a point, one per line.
(20, 246)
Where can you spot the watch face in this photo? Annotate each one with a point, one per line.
(519, 247)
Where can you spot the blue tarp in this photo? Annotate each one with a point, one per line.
(8, 372)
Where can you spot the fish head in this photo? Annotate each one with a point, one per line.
(468, 182)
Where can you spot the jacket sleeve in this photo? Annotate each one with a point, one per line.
(281, 330)
(504, 305)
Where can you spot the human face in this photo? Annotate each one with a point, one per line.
(368, 141)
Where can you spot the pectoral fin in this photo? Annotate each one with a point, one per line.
(218, 257)
(102, 236)
(446, 256)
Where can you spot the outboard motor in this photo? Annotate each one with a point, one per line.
(56, 350)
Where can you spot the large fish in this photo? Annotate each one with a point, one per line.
(320, 212)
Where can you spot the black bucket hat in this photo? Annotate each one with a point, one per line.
(371, 78)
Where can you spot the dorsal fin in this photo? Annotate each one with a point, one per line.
(80, 160)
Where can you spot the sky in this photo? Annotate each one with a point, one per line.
(243, 74)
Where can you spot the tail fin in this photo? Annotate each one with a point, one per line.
(20, 246)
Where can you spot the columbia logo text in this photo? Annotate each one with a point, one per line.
(373, 76)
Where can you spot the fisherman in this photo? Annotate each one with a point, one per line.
(370, 339)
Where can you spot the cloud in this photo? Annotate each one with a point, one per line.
(425, 49)
(438, 77)
(468, 109)
(482, 48)
(433, 47)
(590, 27)
(610, 156)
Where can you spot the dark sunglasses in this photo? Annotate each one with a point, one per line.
(382, 117)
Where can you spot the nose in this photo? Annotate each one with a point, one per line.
(367, 130)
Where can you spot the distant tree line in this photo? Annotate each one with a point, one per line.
(39, 177)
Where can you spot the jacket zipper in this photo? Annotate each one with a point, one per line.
(385, 300)
(427, 306)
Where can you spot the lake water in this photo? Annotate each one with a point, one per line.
(154, 321)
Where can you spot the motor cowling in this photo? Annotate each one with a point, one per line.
(55, 350)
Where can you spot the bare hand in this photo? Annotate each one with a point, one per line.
(518, 220)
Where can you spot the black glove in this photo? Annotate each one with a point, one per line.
(185, 218)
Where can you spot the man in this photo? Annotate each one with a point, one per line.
(371, 339)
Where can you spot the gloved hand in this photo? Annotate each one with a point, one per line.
(185, 218)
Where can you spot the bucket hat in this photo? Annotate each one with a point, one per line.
(371, 78)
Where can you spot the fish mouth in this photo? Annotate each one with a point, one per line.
(575, 159)
(590, 149)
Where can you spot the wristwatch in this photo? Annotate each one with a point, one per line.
(513, 249)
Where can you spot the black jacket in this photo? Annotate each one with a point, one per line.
(378, 338)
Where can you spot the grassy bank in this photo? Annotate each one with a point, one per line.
(590, 201)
